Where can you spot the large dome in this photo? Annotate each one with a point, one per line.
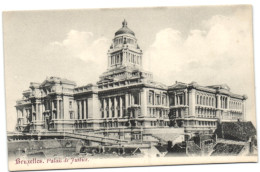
(124, 30)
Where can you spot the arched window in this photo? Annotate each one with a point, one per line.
(201, 100)
(207, 101)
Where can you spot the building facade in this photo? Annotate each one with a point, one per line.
(125, 100)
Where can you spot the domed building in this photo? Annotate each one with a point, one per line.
(126, 103)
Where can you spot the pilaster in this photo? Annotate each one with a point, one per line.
(121, 106)
(192, 100)
(115, 107)
(109, 109)
(144, 102)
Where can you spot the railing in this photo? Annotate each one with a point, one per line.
(22, 101)
(93, 137)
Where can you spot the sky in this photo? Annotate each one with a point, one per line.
(209, 45)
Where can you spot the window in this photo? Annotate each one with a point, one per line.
(117, 59)
(181, 99)
(158, 102)
(70, 105)
(164, 100)
(151, 97)
(82, 109)
(71, 115)
(136, 98)
(107, 109)
(171, 101)
(113, 105)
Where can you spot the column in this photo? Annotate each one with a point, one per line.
(33, 110)
(29, 113)
(85, 108)
(126, 100)
(218, 101)
(186, 97)
(243, 110)
(115, 107)
(80, 110)
(104, 107)
(37, 112)
(228, 100)
(192, 100)
(109, 107)
(144, 102)
(167, 100)
(123, 58)
(126, 103)
(175, 99)
(109, 61)
(51, 108)
(57, 108)
(24, 116)
(221, 102)
(43, 110)
(61, 109)
(120, 106)
(17, 111)
(154, 99)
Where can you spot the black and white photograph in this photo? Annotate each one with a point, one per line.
(120, 87)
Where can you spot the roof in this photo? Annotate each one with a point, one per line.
(166, 136)
(220, 86)
(124, 29)
(215, 89)
(177, 150)
(239, 131)
(221, 149)
(161, 148)
(56, 80)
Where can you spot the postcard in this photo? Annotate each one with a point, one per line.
(93, 88)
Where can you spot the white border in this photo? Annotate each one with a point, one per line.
(10, 5)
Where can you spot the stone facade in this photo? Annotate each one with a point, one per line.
(199, 108)
(125, 100)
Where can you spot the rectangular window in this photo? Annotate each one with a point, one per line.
(171, 101)
(150, 99)
(158, 101)
(82, 109)
(78, 109)
(163, 100)
(71, 115)
(70, 106)
(136, 98)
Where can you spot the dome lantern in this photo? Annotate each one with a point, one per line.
(124, 29)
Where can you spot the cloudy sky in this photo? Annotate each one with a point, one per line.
(209, 45)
